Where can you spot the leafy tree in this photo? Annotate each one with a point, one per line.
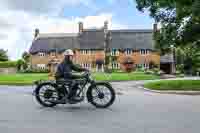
(26, 56)
(179, 19)
(180, 26)
(3, 55)
(20, 64)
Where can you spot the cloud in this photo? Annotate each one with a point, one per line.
(36, 6)
(19, 18)
(18, 28)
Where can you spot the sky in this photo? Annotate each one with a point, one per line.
(19, 19)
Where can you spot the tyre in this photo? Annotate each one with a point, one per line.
(45, 92)
(101, 95)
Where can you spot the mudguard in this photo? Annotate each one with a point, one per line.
(40, 83)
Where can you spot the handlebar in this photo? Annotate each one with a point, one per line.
(86, 73)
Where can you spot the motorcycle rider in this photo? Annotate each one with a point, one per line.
(64, 71)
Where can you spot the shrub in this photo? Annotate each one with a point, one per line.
(160, 72)
(178, 72)
(7, 64)
(156, 70)
(149, 72)
(35, 71)
(180, 68)
(181, 75)
(152, 65)
(140, 69)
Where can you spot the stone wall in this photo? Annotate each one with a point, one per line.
(97, 55)
(10, 70)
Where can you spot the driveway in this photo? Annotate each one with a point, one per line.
(138, 111)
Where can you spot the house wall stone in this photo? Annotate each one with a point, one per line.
(91, 58)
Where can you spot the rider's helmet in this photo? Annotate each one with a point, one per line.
(68, 52)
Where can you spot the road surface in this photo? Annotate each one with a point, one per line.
(137, 111)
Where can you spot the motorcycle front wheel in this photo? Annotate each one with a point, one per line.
(101, 95)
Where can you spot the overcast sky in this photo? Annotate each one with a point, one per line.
(19, 18)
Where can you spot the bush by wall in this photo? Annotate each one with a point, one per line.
(35, 71)
(7, 64)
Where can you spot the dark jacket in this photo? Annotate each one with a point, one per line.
(65, 69)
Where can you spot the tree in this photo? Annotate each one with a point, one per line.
(20, 64)
(3, 55)
(179, 19)
(26, 59)
(26, 56)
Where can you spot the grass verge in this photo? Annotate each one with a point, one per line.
(28, 79)
(176, 85)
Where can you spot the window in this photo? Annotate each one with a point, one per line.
(114, 52)
(144, 51)
(41, 54)
(53, 53)
(41, 66)
(128, 51)
(86, 65)
(92, 51)
(115, 65)
(146, 66)
(85, 51)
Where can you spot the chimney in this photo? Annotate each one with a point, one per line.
(155, 27)
(80, 27)
(105, 27)
(37, 32)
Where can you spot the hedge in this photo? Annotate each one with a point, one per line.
(7, 64)
(35, 71)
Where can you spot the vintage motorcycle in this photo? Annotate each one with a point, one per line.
(99, 94)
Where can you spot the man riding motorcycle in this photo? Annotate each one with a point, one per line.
(64, 72)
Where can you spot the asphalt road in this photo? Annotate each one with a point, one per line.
(137, 111)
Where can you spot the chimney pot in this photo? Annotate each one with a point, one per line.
(37, 32)
(106, 25)
(80, 27)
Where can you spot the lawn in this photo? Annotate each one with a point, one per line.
(178, 85)
(28, 79)
(21, 79)
(124, 76)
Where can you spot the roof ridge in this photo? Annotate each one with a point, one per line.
(132, 30)
(48, 35)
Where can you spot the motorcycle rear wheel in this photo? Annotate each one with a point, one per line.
(46, 95)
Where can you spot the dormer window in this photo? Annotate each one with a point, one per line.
(114, 52)
(53, 54)
(128, 51)
(144, 51)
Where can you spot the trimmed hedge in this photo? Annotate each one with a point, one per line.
(186, 85)
(7, 64)
(35, 71)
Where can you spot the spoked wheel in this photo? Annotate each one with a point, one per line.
(102, 95)
(45, 93)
